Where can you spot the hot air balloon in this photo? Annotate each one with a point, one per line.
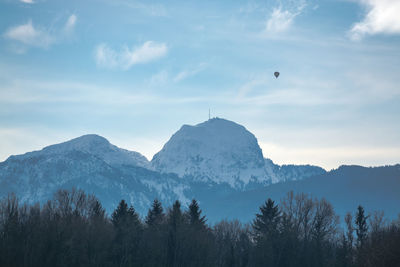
(276, 74)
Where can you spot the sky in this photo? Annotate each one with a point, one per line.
(135, 71)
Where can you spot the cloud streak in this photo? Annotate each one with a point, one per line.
(382, 18)
(281, 19)
(189, 73)
(29, 35)
(107, 57)
(70, 24)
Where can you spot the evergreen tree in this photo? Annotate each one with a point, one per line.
(119, 214)
(155, 216)
(199, 245)
(127, 234)
(266, 234)
(175, 224)
(194, 214)
(155, 239)
(266, 222)
(361, 226)
(362, 232)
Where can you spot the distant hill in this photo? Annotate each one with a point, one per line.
(377, 189)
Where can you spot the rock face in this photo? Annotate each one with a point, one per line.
(217, 151)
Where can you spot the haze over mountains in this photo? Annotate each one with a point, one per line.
(217, 162)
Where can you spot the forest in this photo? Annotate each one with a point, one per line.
(73, 229)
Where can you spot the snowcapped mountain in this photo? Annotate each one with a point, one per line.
(217, 150)
(97, 146)
(93, 164)
(208, 161)
(221, 151)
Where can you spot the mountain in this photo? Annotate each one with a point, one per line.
(221, 151)
(93, 164)
(100, 147)
(216, 156)
(375, 188)
(217, 151)
(217, 162)
(285, 173)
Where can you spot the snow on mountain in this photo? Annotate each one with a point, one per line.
(97, 146)
(285, 173)
(221, 151)
(93, 164)
(217, 150)
(208, 162)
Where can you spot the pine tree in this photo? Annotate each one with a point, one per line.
(194, 213)
(119, 214)
(175, 223)
(266, 223)
(199, 246)
(362, 233)
(361, 226)
(266, 234)
(128, 230)
(155, 240)
(155, 216)
(175, 216)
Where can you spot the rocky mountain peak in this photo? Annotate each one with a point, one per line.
(216, 150)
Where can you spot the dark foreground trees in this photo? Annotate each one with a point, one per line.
(74, 230)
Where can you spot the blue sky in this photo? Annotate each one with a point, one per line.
(135, 71)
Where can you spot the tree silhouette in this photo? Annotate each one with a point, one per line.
(73, 229)
(194, 214)
(361, 226)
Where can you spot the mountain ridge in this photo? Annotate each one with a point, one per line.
(92, 163)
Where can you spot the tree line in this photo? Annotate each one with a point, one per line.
(73, 229)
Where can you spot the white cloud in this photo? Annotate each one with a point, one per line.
(70, 24)
(282, 17)
(27, 1)
(188, 73)
(382, 17)
(105, 56)
(280, 20)
(29, 35)
(149, 51)
(126, 58)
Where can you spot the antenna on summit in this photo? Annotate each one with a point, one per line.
(209, 114)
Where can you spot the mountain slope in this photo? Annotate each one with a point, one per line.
(93, 164)
(99, 147)
(221, 151)
(217, 151)
(285, 173)
(347, 187)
